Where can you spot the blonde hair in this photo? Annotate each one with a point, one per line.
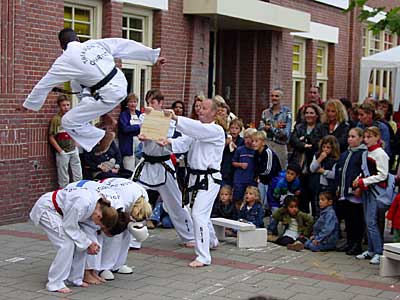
(374, 131)
(341, 112)
(358, 130)
(249, 132)
(256, 191)
(226, 188)
(141, 209)
(219, 99)
(261, 135)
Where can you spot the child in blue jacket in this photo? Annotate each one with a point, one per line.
(252, 211)
(326, 228)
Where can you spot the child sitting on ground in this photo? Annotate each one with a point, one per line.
(326, 228)
(289, 185)
(297, 224)
(252, 210)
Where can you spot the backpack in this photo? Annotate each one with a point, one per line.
(386, 195)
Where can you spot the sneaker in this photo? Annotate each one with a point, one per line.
(376, 260)
(365, 255)
(107, 275)
(124, 269)
(296, 246)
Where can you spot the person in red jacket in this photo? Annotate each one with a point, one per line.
(393, 217)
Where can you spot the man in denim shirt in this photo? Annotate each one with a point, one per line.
(277, 123)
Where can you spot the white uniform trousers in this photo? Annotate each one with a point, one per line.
(91, 262)
(203, 229)
(76, 121)
(115, 251)
(60, 268)
(180, 217)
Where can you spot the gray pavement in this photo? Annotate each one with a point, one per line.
(161, 272)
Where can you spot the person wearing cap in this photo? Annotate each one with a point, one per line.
(90, 65)
(60, 214)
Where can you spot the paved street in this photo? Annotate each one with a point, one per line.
(161, 272)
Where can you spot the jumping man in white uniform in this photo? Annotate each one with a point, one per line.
(90, 65)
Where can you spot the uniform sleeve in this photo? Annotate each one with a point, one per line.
(200, 131)
(128, 49)
(57, 75)
(71, 226)
(181, 144)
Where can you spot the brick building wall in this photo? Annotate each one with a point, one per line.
(248, 65)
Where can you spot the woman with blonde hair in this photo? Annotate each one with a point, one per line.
(336, 122)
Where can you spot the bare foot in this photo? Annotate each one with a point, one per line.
(99, 278)
(64, 290)
(84, 284)
(188, 245)
(89, 278)
(196, 264)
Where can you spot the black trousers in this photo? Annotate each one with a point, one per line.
(354, 220)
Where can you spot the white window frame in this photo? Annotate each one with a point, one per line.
(322, 77)
(299, 77)
(137, 66)
(96, 11)
(368, 37)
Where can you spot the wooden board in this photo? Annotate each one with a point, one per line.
(155, 125)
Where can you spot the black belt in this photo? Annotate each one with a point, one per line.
(200, 184)
(104, 81)
(153, 160)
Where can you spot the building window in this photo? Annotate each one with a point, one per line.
(375, 43)
(322, 68)
(85, 20)
(133, 28)
(137, 26)
(298, 73)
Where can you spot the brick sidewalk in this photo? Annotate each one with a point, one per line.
(161, 272)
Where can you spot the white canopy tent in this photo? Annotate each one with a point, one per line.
(388, 60)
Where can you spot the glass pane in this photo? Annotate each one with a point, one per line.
(124, 21)
(319, 69)
(296, 48)
(68, 13)
(319, 52)
(136, 36)
(124, 33)
(135, 23)
(296, 67)
(82, 29)
(82, 15)
(67, 24)
(296, 58)
(319, 60)
(130, 78)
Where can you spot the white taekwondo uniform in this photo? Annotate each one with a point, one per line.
(93, 262)
(156, 177)
(205, 144)
(77, 205)
(87, 64)
(115, 253)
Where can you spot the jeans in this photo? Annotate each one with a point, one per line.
(321, 247)
(370, 205)
(263, 188)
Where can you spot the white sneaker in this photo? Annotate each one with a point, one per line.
(365, 255)
(107, 275)
(125, 270)
(376, 260)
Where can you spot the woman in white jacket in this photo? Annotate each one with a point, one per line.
(60, 213)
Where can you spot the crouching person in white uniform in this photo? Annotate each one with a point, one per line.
(136, 210)
(205, 142)
(60, 213)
